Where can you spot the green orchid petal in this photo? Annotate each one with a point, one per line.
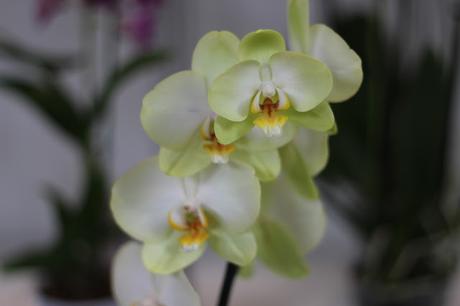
(168, 256)
(321, 118)
(231, 93)
(142, 198)
(306, 81)
(267, 164)
(297, 172)
(304, 219)
(247, 271)
(299, 22)
(228, 132)
(313, 147)
(132, 283)
(186, 162)
(261, 45)
(334, 130)
(344, 63)
(215, 53)
(238, 249)
(232, 194)
(175, 108)
(278, 250)
(256, 140)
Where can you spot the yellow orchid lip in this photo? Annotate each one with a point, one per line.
(219, 153)
(193, 223)
(269, 120)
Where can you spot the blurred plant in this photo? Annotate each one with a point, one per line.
(388, 175)
(75, 266)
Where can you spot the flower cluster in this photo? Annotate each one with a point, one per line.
(242, 134)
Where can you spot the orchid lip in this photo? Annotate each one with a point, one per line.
(193, 223)
(269, 119)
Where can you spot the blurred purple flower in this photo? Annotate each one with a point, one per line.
(47, 9)
(140, 24)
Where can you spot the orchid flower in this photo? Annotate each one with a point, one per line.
(176, 115)
(292, 219)
(289, 227)
(325, 45)
(271, 89)
(133, 285)
(303, 159)
(176, 217)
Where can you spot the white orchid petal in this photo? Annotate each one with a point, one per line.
(176, 290)
(215, 53)
(314, 148)
(344, 63)
(232, 194)
(306, 81)
(174, 110)
(142, 198)
(231, 93)
(131, 282)
(305, 219)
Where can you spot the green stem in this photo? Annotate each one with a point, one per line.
(229, 278)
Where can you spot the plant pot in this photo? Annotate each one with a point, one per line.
(427, 294)
(49, 301)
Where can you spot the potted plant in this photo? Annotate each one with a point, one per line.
(75, 267)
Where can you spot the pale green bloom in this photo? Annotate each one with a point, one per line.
(308, 153)
(271, 89)
(304, 158)
(289, 227)
(292, 219)
(133, 285)
(176, 217)
(322, 43)
(176, 115)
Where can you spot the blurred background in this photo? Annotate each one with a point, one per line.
(72, 77)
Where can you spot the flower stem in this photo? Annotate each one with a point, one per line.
(227, 284)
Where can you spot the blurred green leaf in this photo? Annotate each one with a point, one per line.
(23, 54)
(61, 208)
(51, 101)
